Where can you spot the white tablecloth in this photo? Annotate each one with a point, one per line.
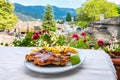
(97, 66)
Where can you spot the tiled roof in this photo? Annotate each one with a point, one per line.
(27, 24)
(109, 21)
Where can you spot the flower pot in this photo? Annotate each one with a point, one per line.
(117, 66)
(114, 54)
(116, 61)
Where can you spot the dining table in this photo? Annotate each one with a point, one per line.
(96, 66)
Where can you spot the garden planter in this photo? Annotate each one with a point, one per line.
(114, 54)
(116, 61)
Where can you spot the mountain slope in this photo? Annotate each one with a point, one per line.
(36, 12)
(24, 17)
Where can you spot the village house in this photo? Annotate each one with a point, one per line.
(24, 26)
(109, 25)
(112, 25)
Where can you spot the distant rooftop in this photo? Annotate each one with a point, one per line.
(109, 21)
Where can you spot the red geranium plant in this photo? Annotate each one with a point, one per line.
(82, 41)
(83, 34)
(75, 36)
(99, 44)
(36, 36)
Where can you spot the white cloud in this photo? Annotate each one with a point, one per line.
(60, 3)
(115, 1)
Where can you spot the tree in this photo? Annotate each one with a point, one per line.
(75, 18)
(91, 10)
(119, 10)
(49, 23)
(7, 17)
(68, 17)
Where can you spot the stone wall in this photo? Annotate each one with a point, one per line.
(6, 39)
(114, 31)
(118, 33)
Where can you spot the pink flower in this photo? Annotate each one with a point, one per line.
(75, 36)
(36, 36)
(83, 34)
(100, 42)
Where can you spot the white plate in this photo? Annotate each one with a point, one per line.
(51, 70)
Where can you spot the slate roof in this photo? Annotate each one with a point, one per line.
(109, 21)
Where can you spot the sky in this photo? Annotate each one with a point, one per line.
(59, 3)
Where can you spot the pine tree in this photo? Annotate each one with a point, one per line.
(49, 23)
(7, 17)
(75, 18)
(68, 17)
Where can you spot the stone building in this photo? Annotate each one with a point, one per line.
(111, 25)
(106, 29)
(24, 26)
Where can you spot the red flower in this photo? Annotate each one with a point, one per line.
(100, 42)
(36, 36)
(84, 40)
(83, 34)
(75, 36)
(44, 31)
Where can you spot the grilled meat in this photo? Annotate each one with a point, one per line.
(44, 57)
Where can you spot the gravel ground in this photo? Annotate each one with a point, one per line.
(4, 38)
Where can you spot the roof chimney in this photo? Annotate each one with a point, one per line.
(102, 17)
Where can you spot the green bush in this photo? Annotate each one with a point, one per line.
(27, 41)
(80, 44)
